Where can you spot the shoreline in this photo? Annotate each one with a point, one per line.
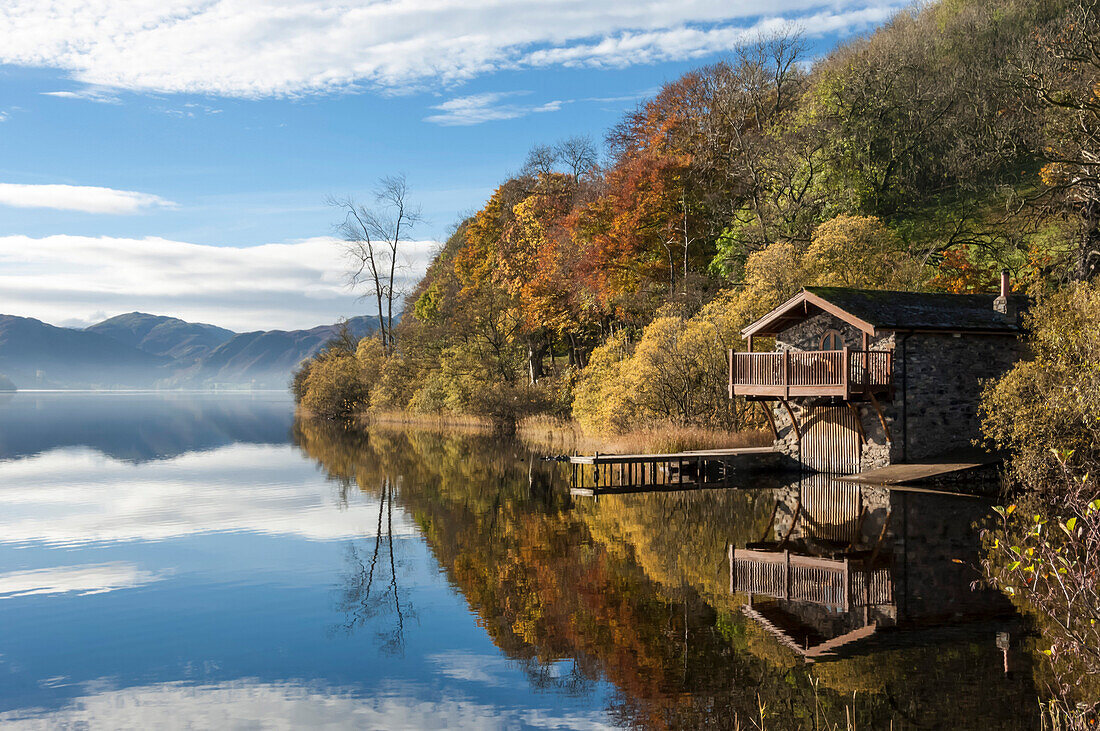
(565, 436)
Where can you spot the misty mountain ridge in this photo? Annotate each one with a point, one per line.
(139, 350)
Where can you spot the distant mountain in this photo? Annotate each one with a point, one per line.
(267, 358)
(137, 350)
(162, 335)
(34, 354)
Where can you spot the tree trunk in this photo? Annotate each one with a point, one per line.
(1088, 253)
(536, 348)
(382, 324)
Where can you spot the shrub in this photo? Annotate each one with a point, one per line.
(1051, 403)
(334, 387)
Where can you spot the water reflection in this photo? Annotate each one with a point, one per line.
(635, 589)
(415, 579)
(140, 426)
(372, 584)
(220, 579)
(839, 562)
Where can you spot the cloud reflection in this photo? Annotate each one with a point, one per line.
(82, 580)
(72, 497)
(287, 705)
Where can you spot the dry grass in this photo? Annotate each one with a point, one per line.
(558, 436)
(564, 437)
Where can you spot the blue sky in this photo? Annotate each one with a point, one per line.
(195, 142)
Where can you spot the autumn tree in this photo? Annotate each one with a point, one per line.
(859, 251)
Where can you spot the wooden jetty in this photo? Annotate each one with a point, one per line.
(944, 467)
(609, 474)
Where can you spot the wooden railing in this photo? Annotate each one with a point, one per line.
(810, 373)
(839, 583)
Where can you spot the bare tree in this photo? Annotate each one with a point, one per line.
(578, 154)
(541, 160)
(575, 156)
(372, 238)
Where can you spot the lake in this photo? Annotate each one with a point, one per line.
(207, 561)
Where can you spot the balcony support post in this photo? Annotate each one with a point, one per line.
(881, 416)
(794, 421)
(771, 419)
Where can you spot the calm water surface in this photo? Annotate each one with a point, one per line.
(204, 561)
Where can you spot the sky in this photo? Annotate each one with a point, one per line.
(175, 156)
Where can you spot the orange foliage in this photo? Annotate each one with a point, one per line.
(959, 273)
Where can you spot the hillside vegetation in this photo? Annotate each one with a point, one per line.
(928, 155)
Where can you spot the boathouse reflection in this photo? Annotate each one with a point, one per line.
(839, 561)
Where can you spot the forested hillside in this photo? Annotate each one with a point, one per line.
(957, 140)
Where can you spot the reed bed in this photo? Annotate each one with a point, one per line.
(566, 437)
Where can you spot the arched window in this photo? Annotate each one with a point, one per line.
(832, 340)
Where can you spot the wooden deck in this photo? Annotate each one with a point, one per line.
(844, 373)
(609, 474)
(924, 471)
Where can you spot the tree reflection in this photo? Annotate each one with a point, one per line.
(362, 600)
(633, 590)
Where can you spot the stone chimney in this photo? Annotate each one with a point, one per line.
(1003, 304)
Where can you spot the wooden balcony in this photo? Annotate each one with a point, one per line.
(847, 374)
(842, 584)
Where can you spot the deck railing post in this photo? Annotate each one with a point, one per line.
(847, 585)
(845, 365)
(786, 574)
(732, 360)
(787, 371)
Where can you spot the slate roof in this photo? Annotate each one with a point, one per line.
(877, 310)
(921, 310)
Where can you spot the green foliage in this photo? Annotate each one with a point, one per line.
(299, 378)
(1046, 554)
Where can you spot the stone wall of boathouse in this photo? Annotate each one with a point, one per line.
(938, 380)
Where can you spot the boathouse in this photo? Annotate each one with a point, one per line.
(861, 379)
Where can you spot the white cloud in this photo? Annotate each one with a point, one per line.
(90, 93)
(85, 198)
(83, 580)
(250, 703)
(632, 48)
(271, 286)
(275, 492)
(478, 108)
(255, 48)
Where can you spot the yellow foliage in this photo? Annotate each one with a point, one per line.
(858, 251)
(602, 399)
(676, 373)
